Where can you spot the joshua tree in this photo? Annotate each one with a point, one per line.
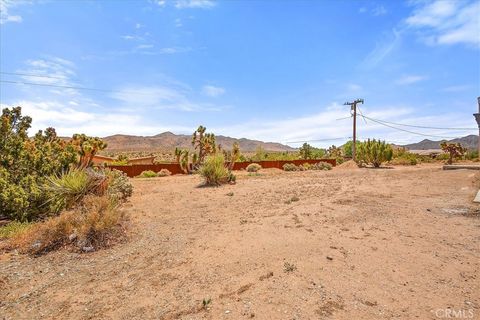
(178, 154)
(184, 161)
(306, 151)
(87, 147)
(232, 156)
(204, 143)
(454, 150)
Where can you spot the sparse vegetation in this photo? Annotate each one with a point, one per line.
(289, 167)
(253, 167)
(96, 223)
(289, 267)
(373, 152)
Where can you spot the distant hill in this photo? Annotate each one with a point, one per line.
(470, 142)
(167, 141)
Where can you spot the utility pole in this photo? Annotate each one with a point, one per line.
(477, 117)
(354, 109)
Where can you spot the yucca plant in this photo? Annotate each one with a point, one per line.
(69, 188)
(373, 152)
(214, 170)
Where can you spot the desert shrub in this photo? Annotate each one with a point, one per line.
(98, 223)
(13, 228)
(164, 172)
(290, 167)
(253, 167)
(214, 171)
(373, 152)
(147, 174)
(307, 166)
(471, 155)
(119, 186)
(405, 159)
(322, 165)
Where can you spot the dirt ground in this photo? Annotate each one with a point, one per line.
(341, 244)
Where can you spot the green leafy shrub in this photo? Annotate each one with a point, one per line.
(164, 173)
(25, 163)
(405, 159)
(373, 152)
(307, 166)
(147, 174)
(290, 167)
(214, 171)
(253, 167)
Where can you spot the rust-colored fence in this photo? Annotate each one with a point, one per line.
(174, 168)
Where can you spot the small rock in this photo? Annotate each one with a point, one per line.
(329, 258)
(37, 244)
(227, 311)
(88, 249)
(72, 237)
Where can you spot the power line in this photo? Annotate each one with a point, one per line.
(411, 125)
(422, 127)
(412, 132)
(70, 87)
(319, 140)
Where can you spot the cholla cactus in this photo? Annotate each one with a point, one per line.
(374, 152)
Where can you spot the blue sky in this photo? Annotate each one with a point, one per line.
(268, 70)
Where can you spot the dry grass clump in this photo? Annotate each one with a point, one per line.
(164, 173)
(97, 223)
(253, 167)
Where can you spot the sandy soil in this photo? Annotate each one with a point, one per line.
(344, 244)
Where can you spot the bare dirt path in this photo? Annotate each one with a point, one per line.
(345, 244)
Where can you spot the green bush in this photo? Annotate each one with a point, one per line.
(119, 186)
(164, 172)
(214, 171)
(290, 167)
(147, 174)
(373, 152)
(405, 159)
(253, 167)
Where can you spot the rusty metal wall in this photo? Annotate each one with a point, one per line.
(174, 168)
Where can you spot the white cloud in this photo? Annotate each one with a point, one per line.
(161, 97)
(204, 4)
(178, 23)
(379, 11)
(160, 3)
(447, 22)
(410, 79)
(458, 88)
(212, 91)
(5, 6)
(382, 49)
